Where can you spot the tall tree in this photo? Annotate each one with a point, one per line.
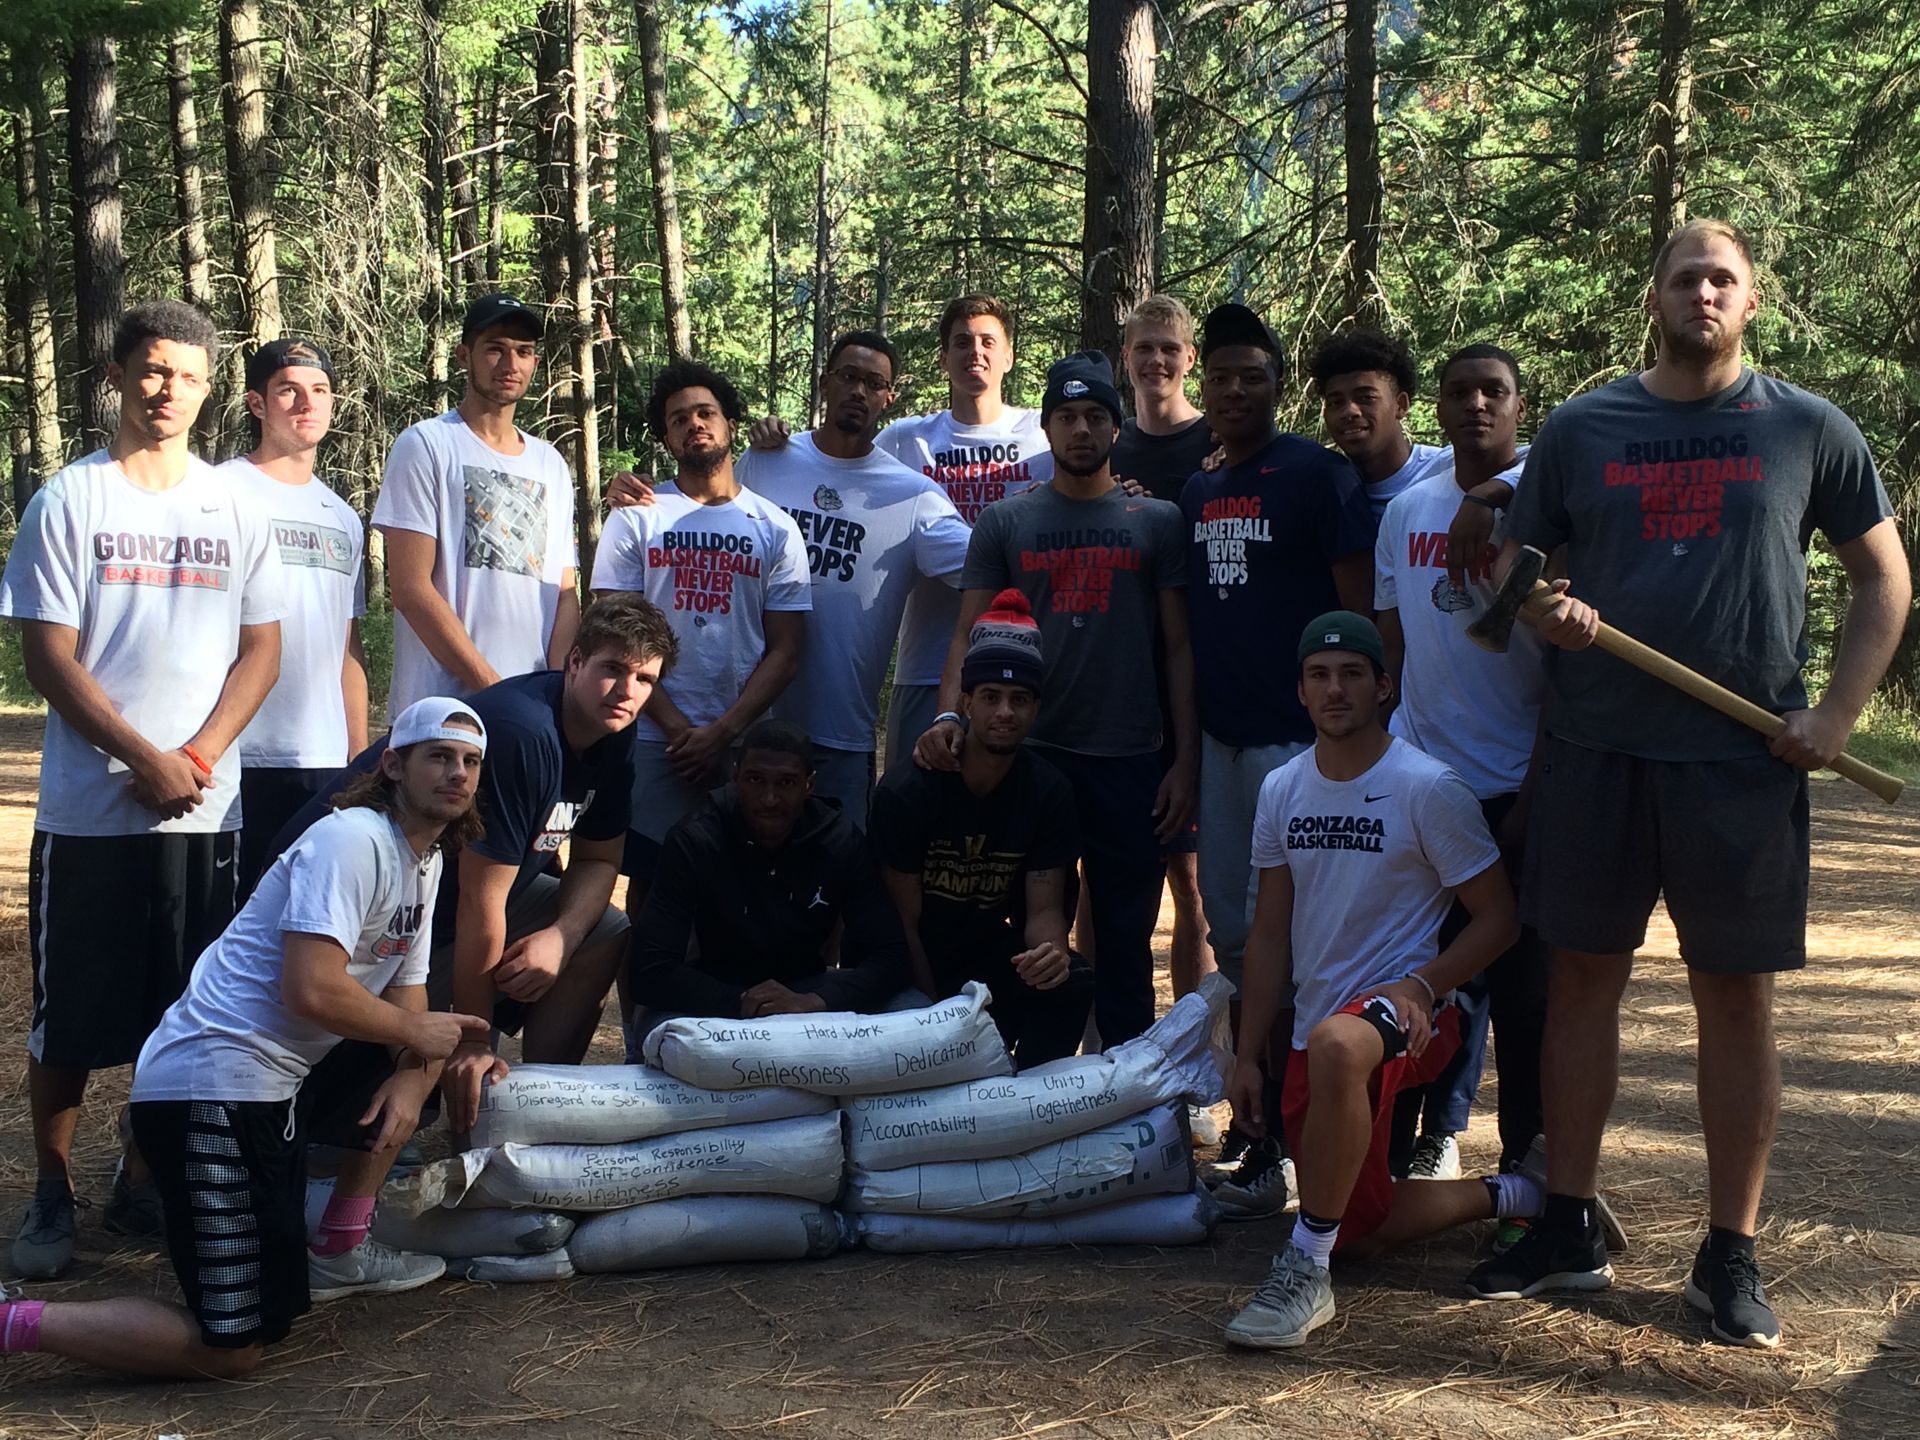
(553, 150)
(666, 199)
(433, 197)
(822, 224)
(249, 176)
(30, 285)
(196, 271)
(1360, 114)
(1672, 120)
(99, 255)
(1117, 233)
(586, 417)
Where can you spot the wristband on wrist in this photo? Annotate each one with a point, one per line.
(199, 764)
(946, 715)
(1433, 998)
(1472, 499)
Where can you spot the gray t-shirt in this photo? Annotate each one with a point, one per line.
(1093, 571)
(1686, 525)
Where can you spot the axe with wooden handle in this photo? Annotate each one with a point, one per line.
(1525, 594)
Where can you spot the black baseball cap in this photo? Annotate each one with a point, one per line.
(500, 309)
(277, 355)
(1232, 324)
(1087, 375)
(1341, 630)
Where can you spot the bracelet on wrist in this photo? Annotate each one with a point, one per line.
(945, 715)
(1433, 997)
(1472, 499)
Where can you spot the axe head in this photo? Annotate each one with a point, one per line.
(1493, 630)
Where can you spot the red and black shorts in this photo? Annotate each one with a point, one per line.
(1372, 1195)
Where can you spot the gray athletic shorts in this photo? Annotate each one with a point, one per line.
(534, 906)
(1725, 841)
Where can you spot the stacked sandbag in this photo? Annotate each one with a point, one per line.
(836, 1053)
(612, 1104)
(704, 1230)
(1088, 1150)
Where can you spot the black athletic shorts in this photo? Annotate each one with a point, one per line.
(1725, 841)
(233, 1186)
(269, 798)
(115, 924)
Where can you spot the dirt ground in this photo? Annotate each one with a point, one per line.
(1125, 1342)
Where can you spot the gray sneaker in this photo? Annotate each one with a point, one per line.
(133, 1209)
(370, 1268)
(1295, 1300)
(43, 1246)
(1533, 1165)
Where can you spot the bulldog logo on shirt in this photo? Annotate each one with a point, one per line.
(827, 498)
(1449, 599)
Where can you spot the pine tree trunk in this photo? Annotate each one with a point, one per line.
(586, 412)
(467, 273)
(1360, 104)
(773, 309)
(32, 296)
(553, 149)
(666, 200)
(196, 273)
(249, 180)
(99, 259)
(822, 223)
(1117, 226)
(1672, 121)
(433, 198)
(610, 350)
(496, 193)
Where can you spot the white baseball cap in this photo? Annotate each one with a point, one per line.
(427, 720)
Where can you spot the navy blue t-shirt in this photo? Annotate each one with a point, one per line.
(1262, 539)
(534, 791)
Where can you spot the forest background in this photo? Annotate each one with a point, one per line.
(740, 180)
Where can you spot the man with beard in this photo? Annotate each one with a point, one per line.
(1685, 496)
(148, 598)
(1361, 844)
(478, 520)
(976, 859)
(872, 528)
(1278, 534)
(315, 718)
(1101, 569)
(1366, 382)
(727, 568)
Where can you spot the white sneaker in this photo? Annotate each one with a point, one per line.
(1435, 1157)
(370, 1268)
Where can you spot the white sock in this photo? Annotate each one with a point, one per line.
(1316, 1245)
(1515, 1194)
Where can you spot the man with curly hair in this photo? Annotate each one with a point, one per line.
(1366, 381)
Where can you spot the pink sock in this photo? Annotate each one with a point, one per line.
(344, 1225)
(20, 1326)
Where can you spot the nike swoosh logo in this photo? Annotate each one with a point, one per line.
(1269, 469)
(223, 864)
(1372, 798)
(1131, 508)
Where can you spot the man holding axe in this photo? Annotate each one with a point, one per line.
(1685, 496)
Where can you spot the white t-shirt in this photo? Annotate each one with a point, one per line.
(504, 524)
(872, 528)
(714, 571)
(1419, 462)
(976, 465)
(303, 723)
(1375, 861)
(353, 879)
(158, 583)
(1472, 710)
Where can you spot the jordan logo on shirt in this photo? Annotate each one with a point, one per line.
(1337, 832)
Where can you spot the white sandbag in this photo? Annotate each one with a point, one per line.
(466, 1234)
(836, 1053)
(979, 1119)
(801, 1156)
(1146, 1154)
(612, 1104)
(514, 1269)
(704, 1230)
(1151, 1220)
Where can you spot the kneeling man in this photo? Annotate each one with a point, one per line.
(332, 945)
(766, 901)
(1361, 845)
(976, 859)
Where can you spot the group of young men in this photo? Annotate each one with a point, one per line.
(1115, 642)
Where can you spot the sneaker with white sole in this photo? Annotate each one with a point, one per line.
(1728, 1288)
(1533, 1165)
(1295, 1300)
(1233, 1149)
(43, 1246)
(370, 1268)
(1435, 1157)
(1261, 1187)
(1546, 1258)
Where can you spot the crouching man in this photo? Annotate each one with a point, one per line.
(332, 945)
(1360, 845)
(766, 901)
(976, 859)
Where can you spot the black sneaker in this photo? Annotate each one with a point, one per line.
(1728, 1288)
(1545, 1258)
(1261, 1187)
(1233, 1149)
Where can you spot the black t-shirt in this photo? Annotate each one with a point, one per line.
(534, 791)
(1162, 463)
(972, 852)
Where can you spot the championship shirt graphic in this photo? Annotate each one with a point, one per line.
(975, 476)
(1079, 566)
(165, 562)
(702, 566)
(506, 521)
(314, 547)
(1683, 483)
(964, 870)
